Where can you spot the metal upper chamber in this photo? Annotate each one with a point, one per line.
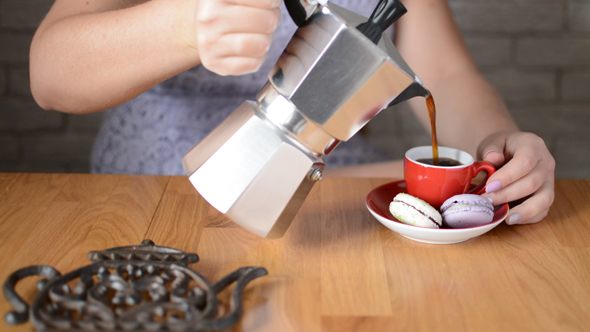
(258, 166)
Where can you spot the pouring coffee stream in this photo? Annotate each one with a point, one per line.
(432, 113)
(258, 166)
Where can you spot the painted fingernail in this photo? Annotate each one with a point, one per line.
(493, 186)
(486, 154)
(514, 218)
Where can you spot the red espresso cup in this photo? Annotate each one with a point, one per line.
(435, 184)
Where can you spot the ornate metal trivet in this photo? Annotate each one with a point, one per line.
(135, 288)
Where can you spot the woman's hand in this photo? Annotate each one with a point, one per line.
(525, 170)
(233, 36)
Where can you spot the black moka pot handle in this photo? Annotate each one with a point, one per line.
(386, 12)
(296, 11)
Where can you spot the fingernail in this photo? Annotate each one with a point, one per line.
(489, 151)
(514, 218)
(493, 186)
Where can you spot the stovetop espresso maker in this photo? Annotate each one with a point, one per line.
(258, 166)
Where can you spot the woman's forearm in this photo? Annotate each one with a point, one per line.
(91, 61)
(468, 110)
(468, 107)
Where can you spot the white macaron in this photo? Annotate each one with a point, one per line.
(414, 211)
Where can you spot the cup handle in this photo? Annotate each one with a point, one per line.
(477, 167)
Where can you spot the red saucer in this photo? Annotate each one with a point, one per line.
(378, 201)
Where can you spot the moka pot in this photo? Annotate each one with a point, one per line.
(258, 166)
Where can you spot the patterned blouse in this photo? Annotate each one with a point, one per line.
(151, 133)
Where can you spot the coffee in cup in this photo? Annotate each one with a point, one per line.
(445, 162)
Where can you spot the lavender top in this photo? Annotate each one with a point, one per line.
(151, 133)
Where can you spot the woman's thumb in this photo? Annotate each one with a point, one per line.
(492, 150)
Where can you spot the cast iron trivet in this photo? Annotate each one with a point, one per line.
(135, 288)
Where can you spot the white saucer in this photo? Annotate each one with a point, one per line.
(378, 204)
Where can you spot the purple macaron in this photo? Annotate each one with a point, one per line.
(467, 210)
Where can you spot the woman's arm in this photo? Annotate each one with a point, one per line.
(471, 115)
(90, 55)
(468, 107)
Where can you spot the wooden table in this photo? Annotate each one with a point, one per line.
(336, 269)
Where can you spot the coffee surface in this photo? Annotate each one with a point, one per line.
(446, 162)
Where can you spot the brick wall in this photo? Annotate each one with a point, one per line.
(31, 139)
(536, 53)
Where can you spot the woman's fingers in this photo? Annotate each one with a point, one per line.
(492, 148)
(522, 164)
(526, 185)
(535, 208)
(237, 54)
(523, 151)
(233, 36)
(256, 3)
(232, 65)
(528, 172)
(238, 19)
(247, 45)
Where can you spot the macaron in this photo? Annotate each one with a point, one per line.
(467, 210)
(414, 211)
